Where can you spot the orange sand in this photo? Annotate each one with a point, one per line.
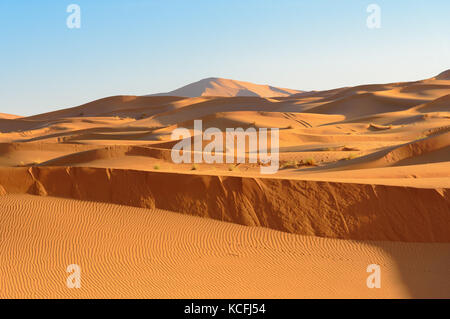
(364, 178)
(126, 252)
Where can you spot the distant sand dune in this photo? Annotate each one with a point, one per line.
(226, 87)
(365, 104)
(433, 149)
(441, 104)
(444, 76)
(8, 116)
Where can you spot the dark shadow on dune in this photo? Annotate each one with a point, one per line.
(424, 267)
(245, 92)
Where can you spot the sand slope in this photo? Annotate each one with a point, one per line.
(8, 116)
(443, 76)
(127, 252)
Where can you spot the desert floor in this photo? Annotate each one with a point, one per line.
(364, 179)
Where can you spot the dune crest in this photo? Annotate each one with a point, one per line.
(8, 116)
(444, 76)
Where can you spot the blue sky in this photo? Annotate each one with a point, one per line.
(149, 46)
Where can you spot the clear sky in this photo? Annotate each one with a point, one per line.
(147, 46)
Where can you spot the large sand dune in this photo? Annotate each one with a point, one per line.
(227, 87)
(364, 176)
(126, 252)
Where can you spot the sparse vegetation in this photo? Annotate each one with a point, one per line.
(290, 164)
(347, 149)
(379, 127)
(36, 162)
(297, 164)
(64, 139)
(310, 162)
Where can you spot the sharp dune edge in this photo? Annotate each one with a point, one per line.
(364, 179)
(326, 209)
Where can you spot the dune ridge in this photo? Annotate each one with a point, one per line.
(8, 116)
(443, 76)
(327, 209)
(431, 149)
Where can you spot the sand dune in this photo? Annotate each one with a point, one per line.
(329, 209)
(433, 149)
(227, 87)
(8, 116)
(364, 104)
(441, 104)
(364, 177)
(112, 106)
(126, 252)
(14, 154)
(444, 76)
